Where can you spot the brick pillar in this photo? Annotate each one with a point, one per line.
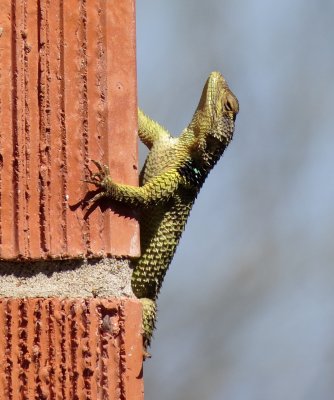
(70, 325)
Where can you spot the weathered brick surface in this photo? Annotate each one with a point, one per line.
(67, 95)
(84, 349)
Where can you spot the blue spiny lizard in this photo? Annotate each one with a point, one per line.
(170, 181)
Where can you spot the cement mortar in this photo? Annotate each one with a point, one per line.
(108, 277)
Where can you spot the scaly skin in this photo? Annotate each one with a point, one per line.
(170, 181)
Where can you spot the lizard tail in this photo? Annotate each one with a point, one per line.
(149, 318)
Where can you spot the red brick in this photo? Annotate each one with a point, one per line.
(70, 349)
(67, 95)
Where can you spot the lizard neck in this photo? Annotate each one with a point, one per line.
(203, 151)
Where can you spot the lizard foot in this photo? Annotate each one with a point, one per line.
(146, 355)
(101, 179)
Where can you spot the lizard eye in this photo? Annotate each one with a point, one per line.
(231, 104)
(228, 105)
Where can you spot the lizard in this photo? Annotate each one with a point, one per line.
(171, 178)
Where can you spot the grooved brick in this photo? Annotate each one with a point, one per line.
(67, 95)
(83, 349)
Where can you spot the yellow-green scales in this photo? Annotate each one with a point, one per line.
(170, 180)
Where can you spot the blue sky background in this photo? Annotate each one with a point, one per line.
(247, 307)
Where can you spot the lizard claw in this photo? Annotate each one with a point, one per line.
(98, 196)
(146, 355)
(102, 168)
(101, 179)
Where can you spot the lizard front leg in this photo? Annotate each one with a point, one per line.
(157, 190)
(149, 130)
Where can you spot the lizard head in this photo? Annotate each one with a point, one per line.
(213, 121)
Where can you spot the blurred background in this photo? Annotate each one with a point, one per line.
(247, 308)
